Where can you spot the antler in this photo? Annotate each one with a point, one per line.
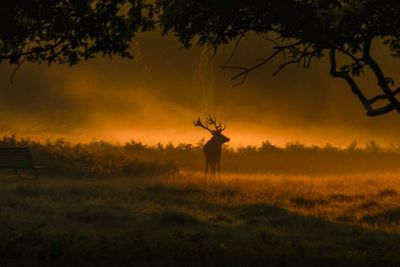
(210, 120)
(200, 124)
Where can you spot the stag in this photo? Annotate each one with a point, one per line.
(212, 149)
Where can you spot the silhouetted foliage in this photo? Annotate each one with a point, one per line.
(69, 31)
(102, 159)
(95, 159)
(300, 30)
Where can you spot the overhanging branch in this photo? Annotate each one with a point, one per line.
(367, 103)
(383, 97)
(302, 54)
(381, 79)
(244, 72)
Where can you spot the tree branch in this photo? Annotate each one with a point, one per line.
(234, 49)
(245, 71)
(381, 97)
(345, 75)
(303, 56)
(242, 75)
(16, 69)
(34, 50)
(381, 79)
(380, 111)
(356, 90)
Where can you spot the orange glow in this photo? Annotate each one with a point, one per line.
(155, 98)
(240, 136)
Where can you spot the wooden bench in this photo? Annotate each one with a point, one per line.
(17, 158)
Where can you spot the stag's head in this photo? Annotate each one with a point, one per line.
(216, 131)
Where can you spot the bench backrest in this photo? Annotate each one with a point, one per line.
(15, 157)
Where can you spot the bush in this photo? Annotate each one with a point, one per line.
(136, 159)
(61, 158)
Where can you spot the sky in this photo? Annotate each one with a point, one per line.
(156, 96)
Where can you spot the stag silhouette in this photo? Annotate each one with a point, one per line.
(212, 149)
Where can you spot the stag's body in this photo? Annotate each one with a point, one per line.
(212, 151)
(213, 147)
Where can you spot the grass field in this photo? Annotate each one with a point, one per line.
(185, 220)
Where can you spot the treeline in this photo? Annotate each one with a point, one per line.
(95, 159)
(294, 158)
(299, 158)
(100, 158)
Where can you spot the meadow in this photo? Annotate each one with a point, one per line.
(186, 220)
(99, 204)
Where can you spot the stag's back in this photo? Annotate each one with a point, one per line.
(212, 149)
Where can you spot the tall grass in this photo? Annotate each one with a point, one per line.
(240, 220)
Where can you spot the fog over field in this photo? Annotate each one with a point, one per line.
(200, 133)
(155, 97)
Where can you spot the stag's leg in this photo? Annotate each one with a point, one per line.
(213, 165)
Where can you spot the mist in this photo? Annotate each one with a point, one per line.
(155, 97)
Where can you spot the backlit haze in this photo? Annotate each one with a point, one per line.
(155, 97)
